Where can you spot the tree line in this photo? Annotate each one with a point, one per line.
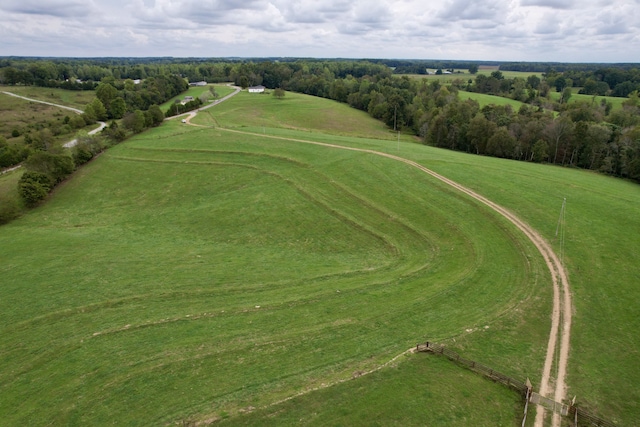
(582, 134)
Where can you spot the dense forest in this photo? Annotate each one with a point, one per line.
(590, 135)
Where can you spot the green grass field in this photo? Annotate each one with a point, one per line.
(465, 76)
(616, 102)
(194, 273)
(259, 112)
(483, 99)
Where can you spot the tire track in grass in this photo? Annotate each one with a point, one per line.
(560, 333)
(561, 314)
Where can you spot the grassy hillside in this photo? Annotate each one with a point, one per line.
(257, 112)
(600, 251)
(202, 274)
(196, 272)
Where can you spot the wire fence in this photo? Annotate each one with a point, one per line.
(579, 417)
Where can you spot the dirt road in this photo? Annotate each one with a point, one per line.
(560, 333)
(75, 110)
(191, 114)
(562, 308)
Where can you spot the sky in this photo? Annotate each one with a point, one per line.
(496, 30)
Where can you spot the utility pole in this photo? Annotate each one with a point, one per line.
(395, 110)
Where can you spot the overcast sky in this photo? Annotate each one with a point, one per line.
(507, 30)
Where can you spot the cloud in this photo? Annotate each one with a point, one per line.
(615, 21)
(549, 24)
(537, 30)
(457, 10)
(57, 8)
(554, 4)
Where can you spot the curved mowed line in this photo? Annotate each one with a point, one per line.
(562, 305)
(141, 341)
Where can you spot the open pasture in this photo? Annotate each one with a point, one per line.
(262, 112)
(191, 273)
(616, 102)
(201, 274)
(484, 99)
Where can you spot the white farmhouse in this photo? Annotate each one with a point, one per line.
(257, 89)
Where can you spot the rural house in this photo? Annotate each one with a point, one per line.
(257, 89)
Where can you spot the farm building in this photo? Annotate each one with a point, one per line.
(257, 89)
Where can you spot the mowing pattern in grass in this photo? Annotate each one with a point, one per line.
(190, 273)
(422, 384)
(601, 252)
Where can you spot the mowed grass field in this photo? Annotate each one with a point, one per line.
(259, 112)
(194, 273)
(600, 250)
(202, 274)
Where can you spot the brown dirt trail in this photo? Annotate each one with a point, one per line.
(560, 333)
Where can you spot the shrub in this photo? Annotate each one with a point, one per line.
(55, 166)
(10, 209)
(34, 187)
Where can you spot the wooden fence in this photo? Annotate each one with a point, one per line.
(475, 366)
(579, 416)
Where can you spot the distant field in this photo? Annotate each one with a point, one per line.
(465, 75)
(24, 116)
(201, 274)
(489, 99)
(616, 102)
(72, 98)
(295, 112)
(512, 74)
(196, 92)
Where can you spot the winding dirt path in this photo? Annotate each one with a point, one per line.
(560, 333)
(71, 143)
(561, 312)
